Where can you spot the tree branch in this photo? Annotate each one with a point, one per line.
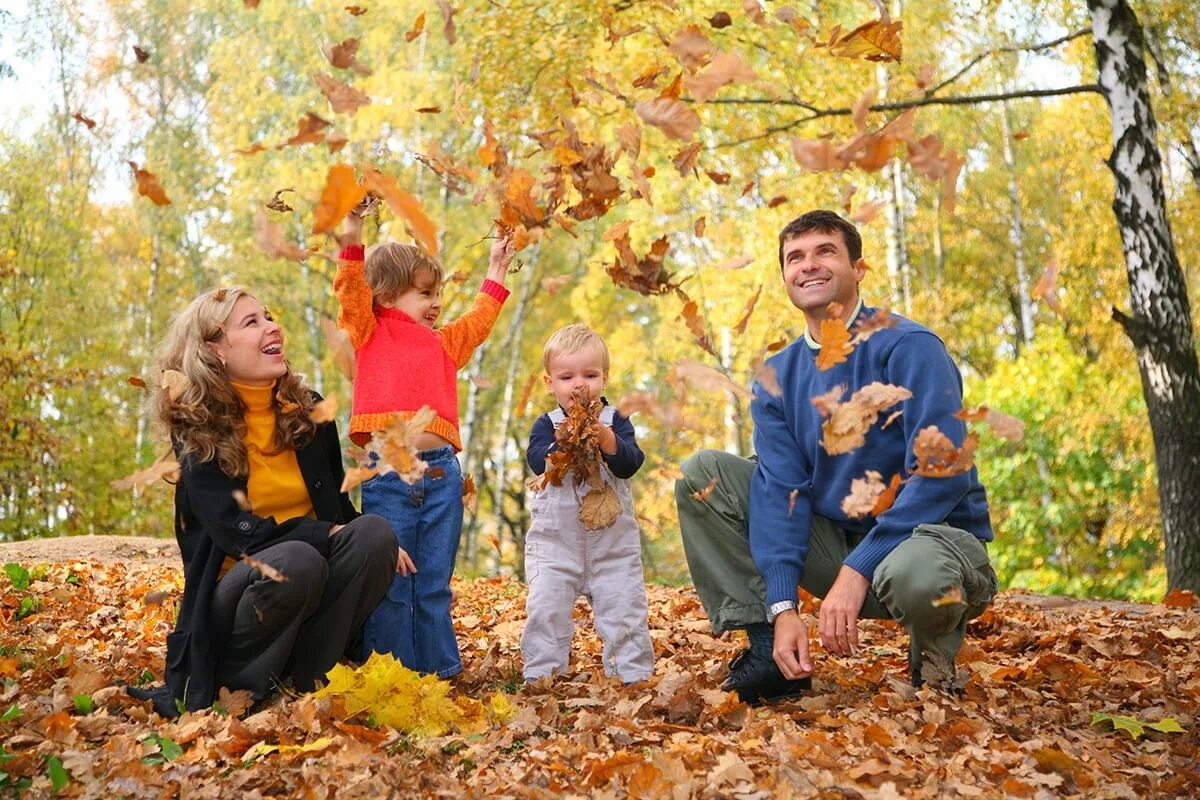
(900, 105)
(1031, 48)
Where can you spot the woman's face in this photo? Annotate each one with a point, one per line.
(252, 347)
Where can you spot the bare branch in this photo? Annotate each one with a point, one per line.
(900, 105)
(1029, 48)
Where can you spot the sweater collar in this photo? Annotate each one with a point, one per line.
(814, 344)
(256, 398)
(395, 313)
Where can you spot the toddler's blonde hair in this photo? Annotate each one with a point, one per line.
(392, 267)
(572, 339)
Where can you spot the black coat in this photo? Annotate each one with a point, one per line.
(209, 525)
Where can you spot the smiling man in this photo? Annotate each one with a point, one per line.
(777, 521)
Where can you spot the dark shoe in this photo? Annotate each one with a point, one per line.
(756, 678)
(159, 696)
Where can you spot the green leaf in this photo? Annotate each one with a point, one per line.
(170, 750)
(58, 776)
(12, 713)
(1166, 725)
(28, 606)
(84, 703)
(18, 575)
(1130, 725)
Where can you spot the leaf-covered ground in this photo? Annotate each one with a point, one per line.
(1038, 672)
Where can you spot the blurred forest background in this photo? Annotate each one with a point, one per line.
(1015, 258)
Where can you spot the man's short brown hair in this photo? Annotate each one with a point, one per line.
(393, 267)
(822, 221)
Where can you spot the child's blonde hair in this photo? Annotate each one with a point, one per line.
(572, 339)
(392, 267)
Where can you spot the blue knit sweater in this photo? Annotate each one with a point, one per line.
(787, 436)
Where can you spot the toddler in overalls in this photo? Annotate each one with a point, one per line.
(563, 560)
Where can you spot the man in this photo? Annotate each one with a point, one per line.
(778, 522)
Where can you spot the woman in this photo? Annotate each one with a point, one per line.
(258, 478)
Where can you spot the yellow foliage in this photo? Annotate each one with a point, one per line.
(407, 701)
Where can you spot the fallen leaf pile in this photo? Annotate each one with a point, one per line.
(1062, 698)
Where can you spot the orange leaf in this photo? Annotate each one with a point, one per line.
(1180, 598)
(937, 457)
(148, 186)
(876, 40)
(343, 98)
(269, 572)
(740, 327)
(405, 205)
(725, 69)
(1047, 289)
(417, 29)
(341, 194)
(835, 343)
(673, 117)
(703, 494)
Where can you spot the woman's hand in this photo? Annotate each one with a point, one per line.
(404, 564)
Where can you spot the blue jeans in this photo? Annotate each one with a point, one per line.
(413, 621)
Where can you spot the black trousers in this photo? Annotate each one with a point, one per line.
(267, 630)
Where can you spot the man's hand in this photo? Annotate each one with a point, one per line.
(499, 259)
(790, 650)
(838, 623)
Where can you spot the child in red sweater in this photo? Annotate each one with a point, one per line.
(389, 304)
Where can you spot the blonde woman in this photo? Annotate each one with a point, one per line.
(259, 478)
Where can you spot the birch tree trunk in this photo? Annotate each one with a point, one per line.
(1160, 326)
(1016, 233)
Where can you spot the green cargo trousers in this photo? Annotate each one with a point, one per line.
(930, 565)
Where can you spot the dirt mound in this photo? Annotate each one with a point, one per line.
(107, 549)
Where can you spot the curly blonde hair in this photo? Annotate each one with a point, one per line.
(392, 267)
(206, 418)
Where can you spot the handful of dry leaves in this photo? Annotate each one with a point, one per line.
(579, 454)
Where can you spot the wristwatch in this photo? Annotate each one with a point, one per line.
(775, 609)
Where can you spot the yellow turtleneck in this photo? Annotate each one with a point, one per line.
(276, 487)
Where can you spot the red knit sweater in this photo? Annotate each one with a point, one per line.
(401, 365)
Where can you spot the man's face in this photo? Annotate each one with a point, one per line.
(817, 271)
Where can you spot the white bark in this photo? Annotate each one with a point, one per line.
(1016, 231)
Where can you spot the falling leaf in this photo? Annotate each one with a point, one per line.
(755, 13)
(481, 382)
(325, 411)
(78, 117)
(343, 56)
(818, 156)
(673, 117)
(835, 343)
(148, 186)
(337, 341)
(726, 68)
(165, 468)
(1002, 424)
(876, 40)
(270, 239)
(355, 476)
(1021, 136)
(766, 377)
(243, 502)
(865, 494)
(731, 264)
(417, 29)
(793, 495)
(867, 211)
(846, 426)
(670, 414)
(269, 572)
(702, 376)
(740, 327)
(448, 30)
(138, 382)
(1047, 287)
(356, 11)
(141, 55)
(720, 20)
(685, 159)
(1180, 598)
(406, 206)
(704, 493)
(600, 508)
(698, 227)
(953, 597)
(937, 457)
(175, 382)
(469, 494)
(396, 448)
(341, 194)
(691, 47)
(429, 110)
(695, 323)
(868, 326)
(276, 203)
(343, 98)
(777, 200)
(553, 286)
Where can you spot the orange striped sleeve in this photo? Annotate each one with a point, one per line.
(461, 337)
(356, 314)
